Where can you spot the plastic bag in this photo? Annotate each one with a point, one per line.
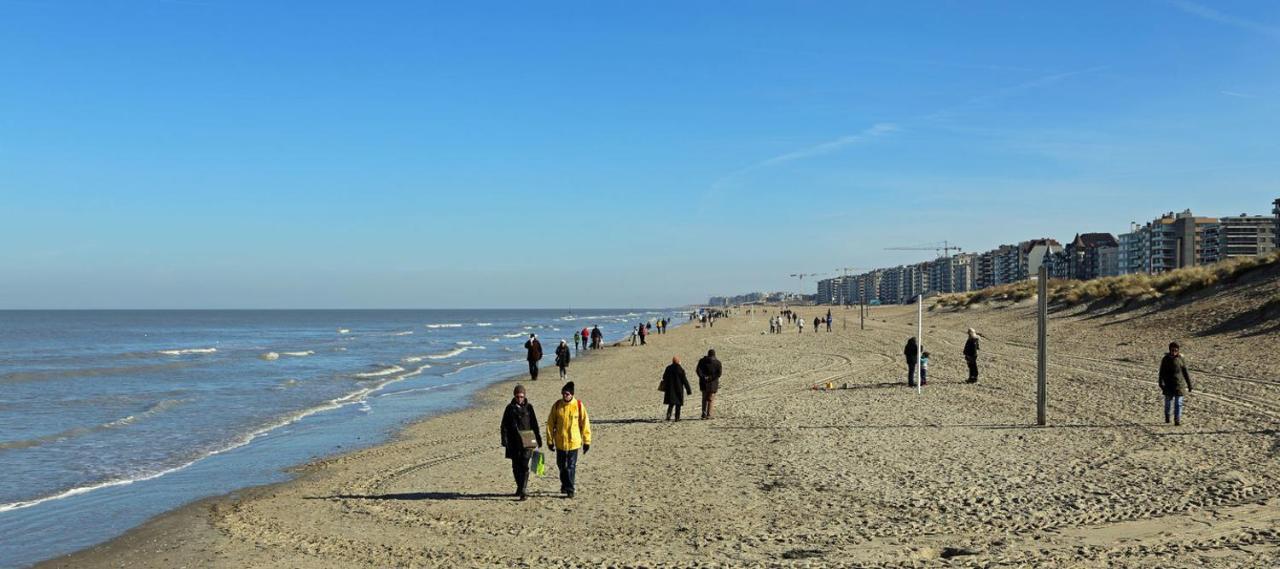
(538, 463)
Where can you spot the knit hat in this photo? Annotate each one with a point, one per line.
(567, 387)
(711, 353)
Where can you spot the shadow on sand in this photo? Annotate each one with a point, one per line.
(413, 496)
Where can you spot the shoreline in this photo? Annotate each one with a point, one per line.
(193, 511)
(786, 475)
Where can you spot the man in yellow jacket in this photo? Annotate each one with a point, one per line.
(568, 429)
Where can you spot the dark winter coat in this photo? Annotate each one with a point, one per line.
(708, 374)
(971, 348)
(910, 351)
(562, 356)
(1174, 379)
(675, 384)
(535, 350)
(518, 418)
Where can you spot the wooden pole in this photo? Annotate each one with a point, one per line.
(919, 341)
(1042, 345)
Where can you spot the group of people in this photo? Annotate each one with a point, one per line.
(568, 427)
(642, 331)
(1174, 379)
(592, 339)
(568, 430)
(916, 358)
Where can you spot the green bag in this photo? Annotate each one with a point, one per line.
(538, 463)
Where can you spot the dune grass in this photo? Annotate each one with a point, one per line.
(1122, 289)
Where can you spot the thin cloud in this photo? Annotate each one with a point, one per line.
(1237, 94)
(1207, 13)
(875, 131)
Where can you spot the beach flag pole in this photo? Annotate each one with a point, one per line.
(1042, 345)
(920, 342)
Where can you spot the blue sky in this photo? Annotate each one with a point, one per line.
(236, 153)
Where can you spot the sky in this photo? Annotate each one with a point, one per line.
(407, 154)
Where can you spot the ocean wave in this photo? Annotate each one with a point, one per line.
(405, 333)
(344, 331)
(484, 323)
(448, 354)
(297, 354)
(516, 335)
(421, 389)
(188, 351)
(385, 371)
(464, 342)
(438, 326)
(270, 356)
(154, 409)
(353, 397)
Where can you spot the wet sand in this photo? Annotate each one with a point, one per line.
(872, 475)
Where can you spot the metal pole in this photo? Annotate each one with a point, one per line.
(919, 339)
(1042, 345)
(862, 310)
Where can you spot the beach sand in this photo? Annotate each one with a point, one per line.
(873, 475)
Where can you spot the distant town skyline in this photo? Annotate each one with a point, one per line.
(231, 154)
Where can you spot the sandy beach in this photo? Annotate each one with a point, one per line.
(872, 475)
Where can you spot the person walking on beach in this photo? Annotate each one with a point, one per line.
(675, 385)
(924, 369)
(644, 333)
(1175, 383)
(971, 356)
(817, 323)
(800, 323)
(828, 320)
(635, 334)
(520, 436)
(577, 338)
(562, 359)
(911, 353)
(708, 371)
(568, 429)
(586, 337)
(597, 338)
(533, 349)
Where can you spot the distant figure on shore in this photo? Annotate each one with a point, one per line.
(644, 333)
(911, 353)
(800, 323)
(778, 320)
(533, 349)
(568, 429)
(772, 327)
(1175, 382)
(924, 369)
(586, 337)
(817, 324)
(635, 335)
(971, 356)
(597, 338)
(520, 435)
(675, 384)
(708, 371)
(828, 320)
(577, 338)
(562, 359)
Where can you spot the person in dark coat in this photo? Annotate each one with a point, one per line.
(562, 358)
(911, 353)
(708, 371)
(675, 384)
(1175, 382)
(533, 353)
(519, 416)
(597, 337)
(971, 356)
(644, 333)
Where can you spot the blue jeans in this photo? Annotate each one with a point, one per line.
(567, 464)
(1174, 401)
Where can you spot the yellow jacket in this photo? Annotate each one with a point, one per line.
(568, 426)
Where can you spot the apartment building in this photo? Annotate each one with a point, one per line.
(1089, 256)
(1239, 236)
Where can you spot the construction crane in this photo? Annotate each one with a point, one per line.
(801, 276)
(944, 248)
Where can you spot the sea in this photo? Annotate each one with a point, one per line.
(108, 418)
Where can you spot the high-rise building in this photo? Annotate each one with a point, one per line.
(1239, 236)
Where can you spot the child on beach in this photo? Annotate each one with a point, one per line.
(924, 368)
